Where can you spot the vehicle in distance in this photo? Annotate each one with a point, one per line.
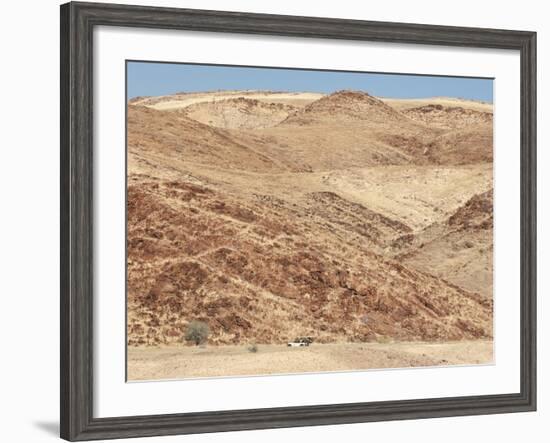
(300, 341)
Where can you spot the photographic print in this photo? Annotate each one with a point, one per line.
(284, 221)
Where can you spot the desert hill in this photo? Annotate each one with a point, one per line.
(468, 136)
(345, 107)
(407, 103)
(376, 134)
(239, 113)
(299, 99)
(449, 117)
(182, 100)
(470, 145)
(165, 139)
(459, 249)
(271, 215)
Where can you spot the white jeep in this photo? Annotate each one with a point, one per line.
(300, 341)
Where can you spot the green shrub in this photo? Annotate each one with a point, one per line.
(253, 348)
(197, 332)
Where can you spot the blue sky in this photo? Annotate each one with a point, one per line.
(151, 79)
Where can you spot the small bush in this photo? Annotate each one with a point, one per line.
(197, 332)
(253, 348)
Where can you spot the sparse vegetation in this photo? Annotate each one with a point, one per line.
(197, 332)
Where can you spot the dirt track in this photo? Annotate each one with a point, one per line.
(171, 362)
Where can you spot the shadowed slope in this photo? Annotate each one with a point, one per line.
(169, 139)
(459, 249)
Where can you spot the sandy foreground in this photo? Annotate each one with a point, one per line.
(171, 362)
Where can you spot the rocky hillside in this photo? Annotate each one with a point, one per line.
(341, 218)
(447, 117)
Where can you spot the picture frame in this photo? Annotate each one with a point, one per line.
(78, 21)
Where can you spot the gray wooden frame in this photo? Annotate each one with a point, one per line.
(77, 23)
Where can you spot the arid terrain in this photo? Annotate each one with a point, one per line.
(345, 217)
(173, 362)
